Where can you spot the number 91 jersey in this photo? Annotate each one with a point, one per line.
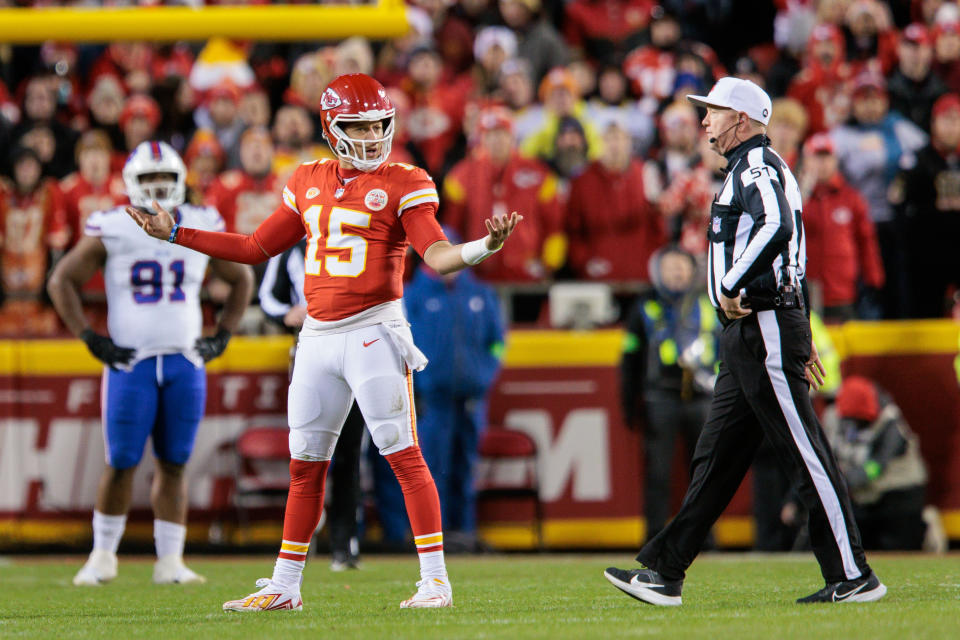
(153, 286)
(357, 232)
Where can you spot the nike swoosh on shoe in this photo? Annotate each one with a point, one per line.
(838, 597)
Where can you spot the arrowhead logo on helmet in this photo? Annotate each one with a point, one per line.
(330, 99)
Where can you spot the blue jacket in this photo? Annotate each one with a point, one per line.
(458, 325)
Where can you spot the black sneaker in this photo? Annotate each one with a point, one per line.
(646, 585)
(863, 589)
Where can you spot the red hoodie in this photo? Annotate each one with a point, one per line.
(841, 241)
(612, 227)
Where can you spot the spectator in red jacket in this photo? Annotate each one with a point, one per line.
(871, 36)
(820, 86)
(677, 182)
(31, 227)
(246, 196)
(495, 179)
(204, 158)
(605, 29)
(436, 113)
(94, 187)
(138, 122)
(946, 52)
(611, 226)
(842, 249)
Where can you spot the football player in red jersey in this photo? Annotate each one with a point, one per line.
(359, 212)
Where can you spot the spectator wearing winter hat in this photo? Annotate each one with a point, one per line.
(561, 100)
(519, 93)
(204, 158)
(821, 85)
(570, 151)
(872, 147)
(842, 251)
(138, 120)
(538, 41)
(914, 86)
(492, 47)
(494, 177)
(928, 198)
(105, 102)
(946, 53)
(880, 457)
(221, 114)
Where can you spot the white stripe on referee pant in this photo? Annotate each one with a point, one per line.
(770, 331)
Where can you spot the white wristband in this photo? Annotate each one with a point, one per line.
(475, 251)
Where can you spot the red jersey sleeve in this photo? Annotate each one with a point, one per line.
(276, 234)
(421, 226)
(417, 189)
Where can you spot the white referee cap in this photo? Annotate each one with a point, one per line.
(739, 95)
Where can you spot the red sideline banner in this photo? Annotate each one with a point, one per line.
(559, 387)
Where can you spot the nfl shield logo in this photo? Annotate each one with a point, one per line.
(338, 193)
(716, 224)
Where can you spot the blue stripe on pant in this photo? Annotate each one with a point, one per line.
(162, 396)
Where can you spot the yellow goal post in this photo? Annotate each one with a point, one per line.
(379, 20)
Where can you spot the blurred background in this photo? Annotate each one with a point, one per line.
(600, 353)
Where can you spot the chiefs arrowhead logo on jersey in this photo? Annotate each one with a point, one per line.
(376, 199)
(312, 193)
(329, 99)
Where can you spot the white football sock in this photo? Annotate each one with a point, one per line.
(169, 538)
(107, 531)
(432, 565)
(287, 573)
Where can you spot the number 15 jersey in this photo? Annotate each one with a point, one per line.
(358, 227)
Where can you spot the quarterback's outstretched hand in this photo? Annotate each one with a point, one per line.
(499, 229)
(212, 346)
(157, 225)
(104, 349)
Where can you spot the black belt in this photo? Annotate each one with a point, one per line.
(775, 301)
(770, 302)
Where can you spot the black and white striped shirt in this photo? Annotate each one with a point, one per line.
(756, 233)
(282, 286)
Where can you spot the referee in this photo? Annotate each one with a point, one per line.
(756, 261)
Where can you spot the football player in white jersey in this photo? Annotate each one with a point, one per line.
(154, 381)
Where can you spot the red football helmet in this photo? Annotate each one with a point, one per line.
(356, 97)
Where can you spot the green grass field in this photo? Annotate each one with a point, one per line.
(513, 596)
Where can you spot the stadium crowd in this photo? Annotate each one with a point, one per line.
(571, 112)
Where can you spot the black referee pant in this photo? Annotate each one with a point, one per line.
(761, 390)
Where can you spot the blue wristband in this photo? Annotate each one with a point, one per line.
(173, 233)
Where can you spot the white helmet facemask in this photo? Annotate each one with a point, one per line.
(359, 151)
(149, 158)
